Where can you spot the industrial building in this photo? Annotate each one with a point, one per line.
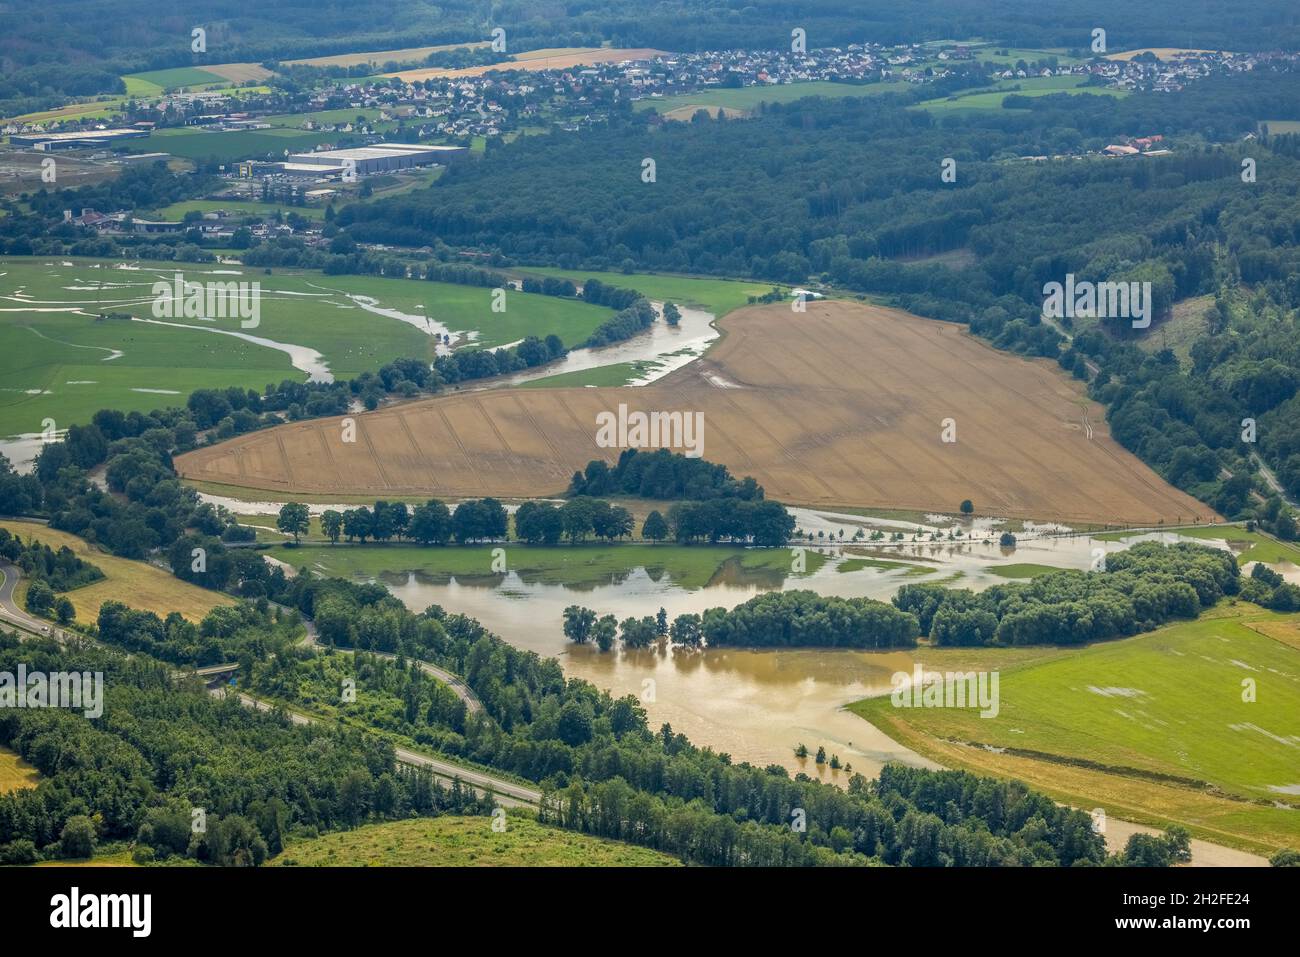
(88, 139)
(380, 158)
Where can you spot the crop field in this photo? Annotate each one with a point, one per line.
(844, 405)
(450, 841)
(380, 57)
(137, 584)
(549, 59)
(59, 363)
(746, 99)
(173, 79)
(1158, 723)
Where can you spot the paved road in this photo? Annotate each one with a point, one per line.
(454, 681)
(507, 792)
(9, 610)
(1271, 480)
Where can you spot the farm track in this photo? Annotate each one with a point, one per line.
(838, 406)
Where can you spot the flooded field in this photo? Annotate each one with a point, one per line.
(755, 705)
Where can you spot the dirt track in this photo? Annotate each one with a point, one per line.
(842, 405)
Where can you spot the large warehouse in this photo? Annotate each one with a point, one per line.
(380, 158)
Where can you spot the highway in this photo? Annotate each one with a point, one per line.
(508, 793)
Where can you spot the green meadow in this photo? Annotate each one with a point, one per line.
(1249, 546)
(1161, 721)
(690, 566)
(991, 99)
(58, 361)
(153, 82)
(620, 373)
(749, 97)
(195, 143)
(251, 210)
(718, 296)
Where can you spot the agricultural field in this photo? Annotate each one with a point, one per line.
(559, 58)
(691, 567)
(59, 363)
(450, 841)
(1032, 86)
(176, 211)
(993, 53)
(378, 58)
(137, 584)
(15, 773)
(154, 82)
(843, 405)
(744, 100)
(1151, 728)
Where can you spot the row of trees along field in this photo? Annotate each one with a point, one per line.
(1141, 589)
(771, 620)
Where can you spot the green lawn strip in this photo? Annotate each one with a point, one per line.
(618, 374)
(690, 566)
(1022, 570)
(718, 296)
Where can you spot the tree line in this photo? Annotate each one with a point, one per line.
(1138, 590)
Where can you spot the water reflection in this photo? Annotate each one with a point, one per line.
(755, 705)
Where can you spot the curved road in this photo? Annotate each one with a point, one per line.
(454, 681)
(508, 792)
(9, 610)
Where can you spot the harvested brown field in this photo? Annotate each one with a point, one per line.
(841, 405)
(380, 57)
(1163, 53)
(553, 59)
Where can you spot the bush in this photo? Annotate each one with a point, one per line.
(78, 837)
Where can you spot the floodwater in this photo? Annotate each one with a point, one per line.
(668, 347)
(302, 358)
(756, 705)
